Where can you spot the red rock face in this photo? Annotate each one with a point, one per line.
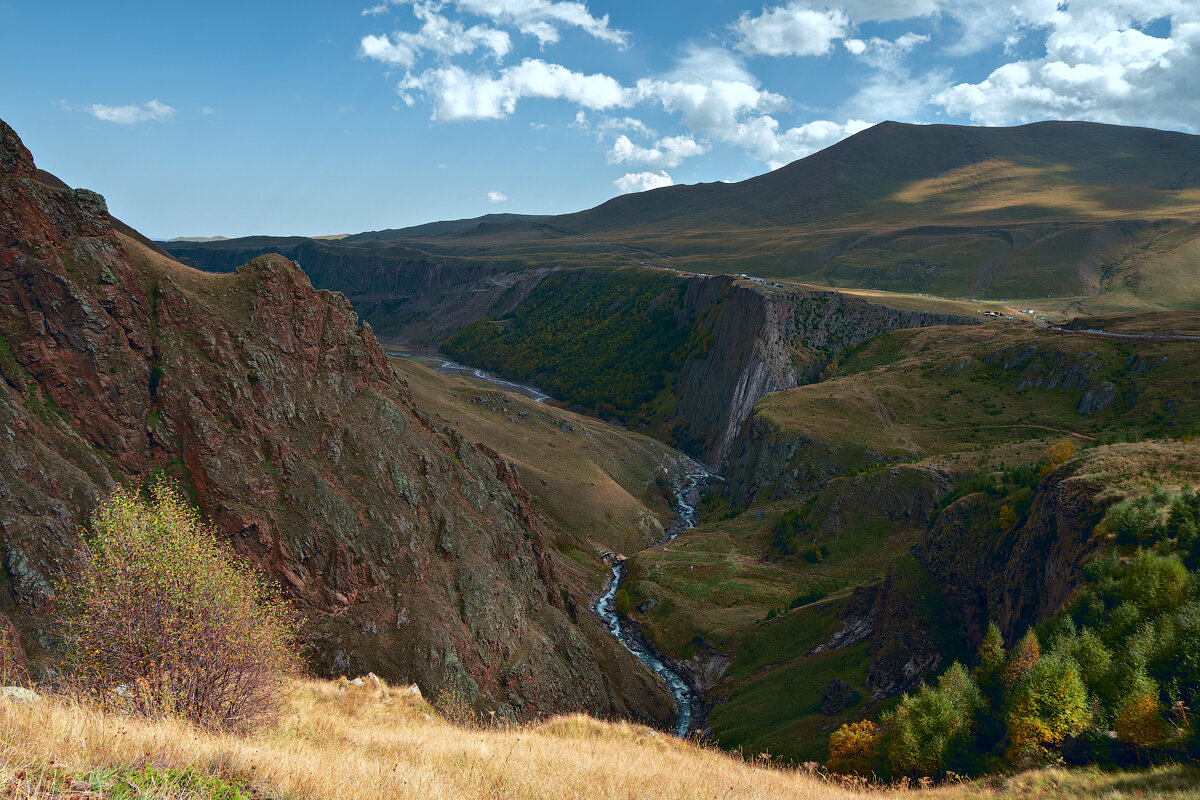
(411, 552)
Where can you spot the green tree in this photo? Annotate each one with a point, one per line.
(991, 656)
(933, 730)
(854, 748)
(1049, 704)
(1155, 583)
(1023, 659)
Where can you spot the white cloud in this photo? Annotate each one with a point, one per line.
(888, 10)
(153, 111)
(712, 106)
(702, 63)
(458, 95)
(669, 151)
(543, 18)
(438, 35)
(764, 137)
(892, 91)
(625, 124)
(791, 30)
(497, 197)
(855, 46)
(208, 111)
(1098, 65)
(642, 181)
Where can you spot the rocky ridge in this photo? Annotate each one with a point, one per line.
(411, 552)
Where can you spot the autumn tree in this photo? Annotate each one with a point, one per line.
(159, 619)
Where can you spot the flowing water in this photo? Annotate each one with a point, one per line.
(448, 367)
(686, 499)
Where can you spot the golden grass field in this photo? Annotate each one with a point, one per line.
(355, 745)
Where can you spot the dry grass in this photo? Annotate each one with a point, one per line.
(334, 744)
(353, 744)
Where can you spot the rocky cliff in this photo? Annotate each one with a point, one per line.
(766, 339)
(1020, 575)
(406, 294)
(412, 552)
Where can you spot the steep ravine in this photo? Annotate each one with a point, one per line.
(687, 497)
(412, 552)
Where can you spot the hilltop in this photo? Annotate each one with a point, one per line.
(1104, 214)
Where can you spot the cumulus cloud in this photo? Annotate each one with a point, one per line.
(670, 151)
(768, 141)
(497, 197)
(439, 35)
(1099, 65)
(153, 111)
(791, 30)
(712, 106)
(457, 94)
(642, 181)
(543, 18)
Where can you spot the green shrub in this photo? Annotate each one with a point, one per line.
(854, 748)
(811, 596)
(816, 554)
(158, 619)
(1155, 583)
(933, 731)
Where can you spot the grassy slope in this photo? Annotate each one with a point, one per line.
(893, 398)
(597, 481)
(348, 745)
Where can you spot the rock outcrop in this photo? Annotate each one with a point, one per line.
(406, 294)
(1021, 575)
(412, 553)
(766, 339)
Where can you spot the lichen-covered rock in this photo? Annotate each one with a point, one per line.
(411, 552)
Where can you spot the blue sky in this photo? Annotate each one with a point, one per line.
(235, 118)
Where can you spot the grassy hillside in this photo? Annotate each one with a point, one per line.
(335, 745)
(603, 341)
(846, 476)
(1098, 217)
(603, 486)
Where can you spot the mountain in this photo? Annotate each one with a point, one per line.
(1106, 215)
(411, 551)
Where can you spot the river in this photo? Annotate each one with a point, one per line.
(448, 367)
(687, 497)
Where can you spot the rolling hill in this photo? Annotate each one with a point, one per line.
(1106, 214)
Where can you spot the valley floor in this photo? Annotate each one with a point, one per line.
(349, 744)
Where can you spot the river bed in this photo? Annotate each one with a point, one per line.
(448, 367)
(687, 497)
